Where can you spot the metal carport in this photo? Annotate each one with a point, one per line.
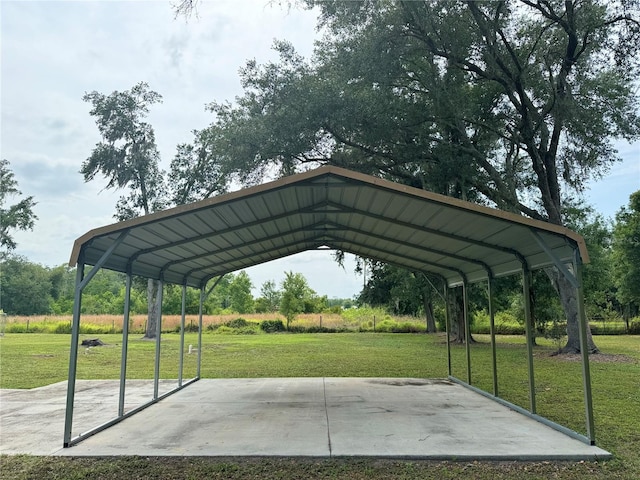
(334, 208)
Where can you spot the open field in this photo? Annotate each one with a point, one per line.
(360, 319)
(113, 323)
(31, 360)
(351, 320)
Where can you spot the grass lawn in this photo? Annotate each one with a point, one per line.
(30, 360)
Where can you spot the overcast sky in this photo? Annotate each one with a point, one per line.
(53, 52)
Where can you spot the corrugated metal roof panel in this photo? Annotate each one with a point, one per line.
(329, 206)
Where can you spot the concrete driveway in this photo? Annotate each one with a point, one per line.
(320, 417)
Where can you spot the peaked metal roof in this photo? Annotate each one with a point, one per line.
(327, 207)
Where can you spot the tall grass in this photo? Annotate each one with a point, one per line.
(363, 319)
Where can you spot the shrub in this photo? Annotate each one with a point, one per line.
(385, 326)
(634, 328)
(249, 328)
(224, 330)
(237, 323)
(297, 329)
(191, 328)
(555, 331)
(407, 327)
(272, 326)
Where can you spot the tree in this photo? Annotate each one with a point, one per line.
(400, 291)
(25, 288)
(270, 296)
(19, 216)
(295, 291)
(240, 293)
(510, 104)
(626, 255)
(196, 172)
(127, 157)
(599, 284)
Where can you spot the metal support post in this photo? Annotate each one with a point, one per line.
(125, 344)
(467, 328)
(200, 332)
(447, 327)
(492, 331)
(526, 286)
(181, 360)
(584, 350)
(156, 372)
(73, 355)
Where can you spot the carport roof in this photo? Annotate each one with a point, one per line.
(332, 208)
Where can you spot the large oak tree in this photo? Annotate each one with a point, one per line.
(127, 156)
(510, 104)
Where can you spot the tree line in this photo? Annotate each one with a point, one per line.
(28, 288)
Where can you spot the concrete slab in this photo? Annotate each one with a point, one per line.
(373, 417)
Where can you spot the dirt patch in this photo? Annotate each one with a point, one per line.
(415, 382)
(43, 355)
(595, 358)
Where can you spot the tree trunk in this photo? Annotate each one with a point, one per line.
(568, 298)
(153, 312)
(428, 311)
(456, 317)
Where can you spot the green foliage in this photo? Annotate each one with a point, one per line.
(396, 289)
(240, 293)
(194, 174)
(219, 299)
(272, 326)
(505, 323)
(556, 332)
(505, 104)
(172, 300)
(269, 300)
(295, 295)
(626, 253)
(57, 327)
(19, 216)
(188, 328)
(237, 326)
(25, 287)
(391, 326)
(127, 155)
(237, 323)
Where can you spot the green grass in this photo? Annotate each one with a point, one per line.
(32, 360)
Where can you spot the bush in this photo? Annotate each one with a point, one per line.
(634, 328)
(190, 328)
(408, 327)
(555, 331)
(237, 323)
(319, 329)
(226, 330)
(272, 326)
